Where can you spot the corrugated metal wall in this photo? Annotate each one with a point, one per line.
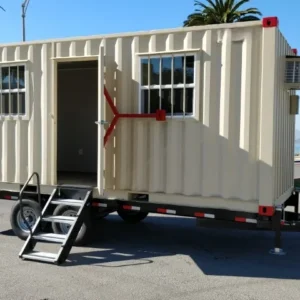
(284, 123)
(25, 143)
(216, 155)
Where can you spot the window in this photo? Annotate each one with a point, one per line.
(167, 82)
(12, 90)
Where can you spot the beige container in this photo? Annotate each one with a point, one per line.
(228, 145)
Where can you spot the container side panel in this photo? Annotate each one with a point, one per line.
(36, 109)
(179, 41)
(64, 49)
(192, 159)
(45, 99)
(213, 153)
(80, 48)
(87, 48)
(8, 163)
(157, 157)
(174, 159)
(284, 125)
(140, 156)
(21, 137)
(210, 154)
(22, 127)
(230, 166)
(249, 137)
(211, 65)
(92, 46)
(17, 134)
(34, 124)
(226, 75)
(159, 42)
(193, 133)
(267, 117)
(10, 54)
(124, 103)
(21, 145)
(109, 70)
(232, 154)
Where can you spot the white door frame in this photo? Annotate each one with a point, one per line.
(101, 100)
(54, 129)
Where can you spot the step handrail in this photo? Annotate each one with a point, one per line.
(38, 194)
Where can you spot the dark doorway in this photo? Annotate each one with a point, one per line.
(77, 102)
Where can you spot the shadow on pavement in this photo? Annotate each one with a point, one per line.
(215, 251)
(8, 232)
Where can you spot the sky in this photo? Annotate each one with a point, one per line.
(67, 18)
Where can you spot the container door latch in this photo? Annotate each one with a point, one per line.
(102, 122)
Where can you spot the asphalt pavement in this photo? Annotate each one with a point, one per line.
(161, 258)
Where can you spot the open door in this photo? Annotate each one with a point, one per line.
(100, 122)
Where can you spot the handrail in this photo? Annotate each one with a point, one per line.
(21, 197)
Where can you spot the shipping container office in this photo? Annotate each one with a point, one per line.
(227, 142)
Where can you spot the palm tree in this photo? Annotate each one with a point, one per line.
(221, 11)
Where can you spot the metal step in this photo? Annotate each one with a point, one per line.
(49, 237)
(40, 256)
(59, 219)
(58, 197)
(70, 202)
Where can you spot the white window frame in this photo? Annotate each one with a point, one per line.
(11, 91)
(159, 87)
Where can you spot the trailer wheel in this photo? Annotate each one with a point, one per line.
(132, 217)
(99, 214)
(60, 228)
(31, 211)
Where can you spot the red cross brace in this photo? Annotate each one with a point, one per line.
(160, 115)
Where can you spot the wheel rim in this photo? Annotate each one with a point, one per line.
(66, 227)
(30, 216)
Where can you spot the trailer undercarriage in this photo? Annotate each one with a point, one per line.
(285, 217)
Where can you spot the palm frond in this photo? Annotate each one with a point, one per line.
(195, 19)
(220, 4)
(212, 4)
(221, 11)
(250, 11)
(253, 10)
(239, 4)
(249, 18)
(231, 4)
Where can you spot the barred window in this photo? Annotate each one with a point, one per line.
(12, 90)
(168, 82)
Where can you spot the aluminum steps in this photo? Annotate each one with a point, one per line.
(70, 202)
(69, 196)
(49, 237)
(40, 256)
(59, 219)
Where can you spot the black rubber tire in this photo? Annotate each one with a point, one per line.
(19, 232)
(84, 234)
(99, 215)
(132, 217)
